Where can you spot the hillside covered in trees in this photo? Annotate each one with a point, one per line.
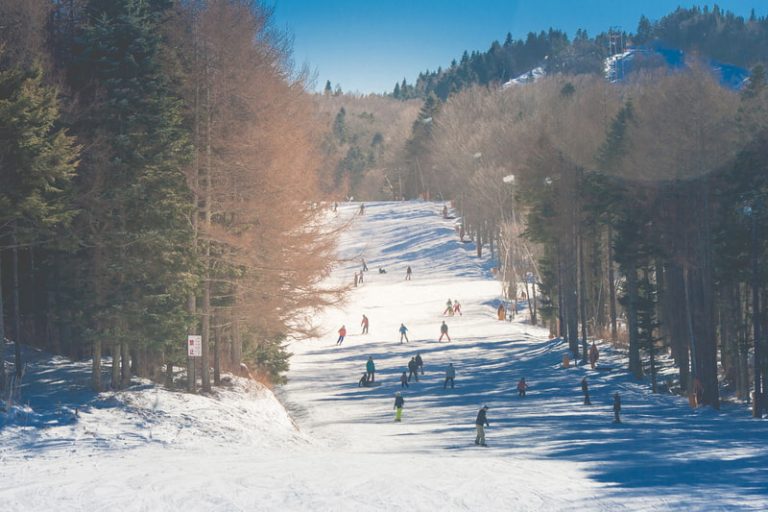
(159, 164)
(713, 33)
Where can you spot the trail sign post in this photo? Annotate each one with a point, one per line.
(194, 345)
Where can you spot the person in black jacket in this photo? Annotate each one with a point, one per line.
(585, 390)
(413, 369)
(399, 403)
(481, 422)
(419, 363)
(616, 407)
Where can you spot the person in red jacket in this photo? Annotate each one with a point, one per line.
(364, 323)
(342, 333)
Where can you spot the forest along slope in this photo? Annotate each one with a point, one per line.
(547, 448)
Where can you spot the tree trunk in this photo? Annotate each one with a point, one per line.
(237, 343)
(612, 287)
(125, 374)
(16, 302)
(635, 365)
(2, 328)
(582, 301)
(115, 365)
(217, 346)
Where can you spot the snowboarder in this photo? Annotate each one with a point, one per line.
(399, 403)
(404, 380)
(501, 312)
(616, 407)
(382, 271)
(403, 330)
(448, 308)
(413, 369)
(364, 323)
(522, 387)
(419, 363)
(363, 382)
(457, 308)
(594, 355)
(450, 375)
(481, 422)
(585, 390)
(444, 332)
(365, 267)
(342, 333)
(370, 368)
(408, 273)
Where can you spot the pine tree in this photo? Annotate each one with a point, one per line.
(328, 89)
(38, 160)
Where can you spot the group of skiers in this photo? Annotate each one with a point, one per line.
(452, 308)
(359, 277)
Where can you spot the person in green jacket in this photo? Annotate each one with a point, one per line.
(370, 368)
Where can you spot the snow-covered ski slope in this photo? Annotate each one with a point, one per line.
(149, 449)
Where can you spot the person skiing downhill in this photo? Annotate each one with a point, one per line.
(413, 369)
(616, 407)
(408, 273)
(480, 423)
(585, 390)
(403, 330)
(364, 323)
(342, 333)
(444, 332)
(419, 363)
(448, 308)
(501, 312)
(365, 267)
(370, 369)
(404, 380)
(522, 387)
(450, 375)
(594, 355)
(362, 208)
(457, 307)
(399, 403)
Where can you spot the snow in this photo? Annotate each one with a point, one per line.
(152, 449)
(529, 77)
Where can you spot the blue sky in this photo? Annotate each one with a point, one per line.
(368, 45)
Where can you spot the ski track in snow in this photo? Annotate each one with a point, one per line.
(151, 449)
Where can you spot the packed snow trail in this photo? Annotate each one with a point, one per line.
(151, 449)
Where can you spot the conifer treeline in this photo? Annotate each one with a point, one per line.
(715, 33)
(157, 167)
(640, 211)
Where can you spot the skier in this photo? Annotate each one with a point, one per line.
(419, 363)
(404, 380)
(364, 323)
(360, 278)
(370, 368)
(443, 332)
(413, 369)
(408, 273)
(335, 206)
(585, 390)
(522, 387)
(450, 375)
(399, 403)
(365, 267)
(363, 382)
(362, 208)
(480, 423)
(594, 355)
(616, 407)
(342, 333)
(403, 330)
(457, 307)
(448, 308)
(501, 312)
(445, 211)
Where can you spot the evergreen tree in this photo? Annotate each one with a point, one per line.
(37, 162)
(328, 89)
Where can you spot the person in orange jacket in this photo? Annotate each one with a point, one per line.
(342, 333)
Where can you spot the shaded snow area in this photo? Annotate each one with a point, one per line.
(151, 449)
